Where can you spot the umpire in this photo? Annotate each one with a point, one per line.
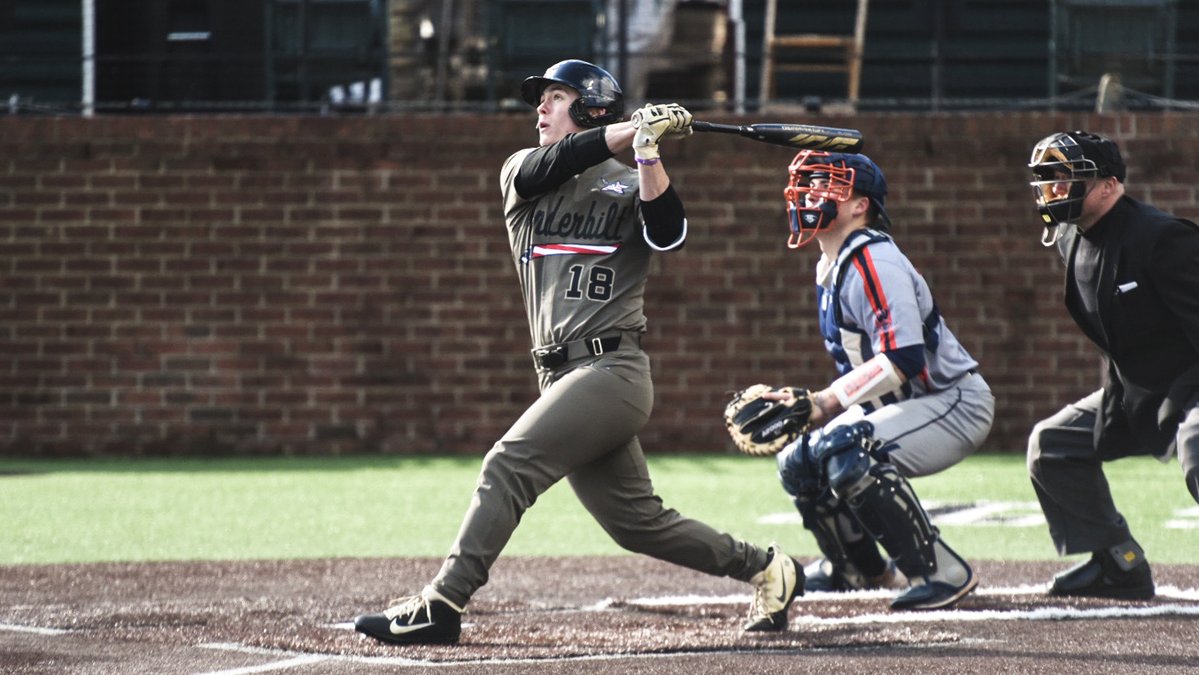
(1132, 286)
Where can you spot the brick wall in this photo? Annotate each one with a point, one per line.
(320, 285)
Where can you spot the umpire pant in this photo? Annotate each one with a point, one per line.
(1067, 474)
(583, 428)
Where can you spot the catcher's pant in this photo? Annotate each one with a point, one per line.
(1068, 476)
(931, 433)
(583, 428)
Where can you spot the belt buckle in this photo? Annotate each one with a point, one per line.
(551, 358)
(597, 346)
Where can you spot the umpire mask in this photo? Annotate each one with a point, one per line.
(1062, 165)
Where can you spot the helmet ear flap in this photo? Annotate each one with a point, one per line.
(581, 114)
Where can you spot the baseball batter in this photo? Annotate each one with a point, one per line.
(582, 228)
(909, 401)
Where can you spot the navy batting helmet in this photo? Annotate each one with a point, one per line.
(596, 86)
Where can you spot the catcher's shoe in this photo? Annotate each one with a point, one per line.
(953, 580)
(1102, 577)
(775, 587)
(428, 618)
(824, 577)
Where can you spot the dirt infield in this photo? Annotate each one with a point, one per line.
(565, 615)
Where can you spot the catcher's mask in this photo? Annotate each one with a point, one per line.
(820, 180)
(596, 86)
(1062, 165)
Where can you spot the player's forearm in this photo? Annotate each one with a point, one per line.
(619, 136)
(873, 379)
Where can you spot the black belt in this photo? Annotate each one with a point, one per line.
(557, 355)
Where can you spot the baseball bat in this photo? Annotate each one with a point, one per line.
(799, 136)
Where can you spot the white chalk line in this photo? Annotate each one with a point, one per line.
(401, 661)
(36, 630)
(291, 660)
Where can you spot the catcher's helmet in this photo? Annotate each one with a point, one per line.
(596, 86)
(813, 208)
(1069, 159)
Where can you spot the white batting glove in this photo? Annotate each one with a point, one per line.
(680, 121)
(651, 123)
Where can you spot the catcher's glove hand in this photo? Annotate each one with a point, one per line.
(761, 427)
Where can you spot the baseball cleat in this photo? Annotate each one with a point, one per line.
(952, 581)
(428, 618)
(824, 577)
(775, 587)
(934, 594)
(1101, 577)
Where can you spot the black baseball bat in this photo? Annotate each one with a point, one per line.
(799, 136)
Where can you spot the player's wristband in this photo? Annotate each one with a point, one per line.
(647, 162)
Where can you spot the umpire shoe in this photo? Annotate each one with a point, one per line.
(1103, 577)
(952, 581)
(428, 618)
(775, 587)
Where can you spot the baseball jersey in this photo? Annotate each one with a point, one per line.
(872, 300)
(580, 249)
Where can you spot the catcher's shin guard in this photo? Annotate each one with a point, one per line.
(881, 498)
(849, 549)
(888, 508)
(804, 479)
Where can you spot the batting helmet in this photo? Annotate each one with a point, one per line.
(596, 86)
(813, 208)
(1069, 159)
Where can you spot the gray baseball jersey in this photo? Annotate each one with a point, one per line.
(579, 251)
(872, 300)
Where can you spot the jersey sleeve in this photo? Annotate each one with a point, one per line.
(880, 298)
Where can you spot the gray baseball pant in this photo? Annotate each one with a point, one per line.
(583, 428)
(1069, 480)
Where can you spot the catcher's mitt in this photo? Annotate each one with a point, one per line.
(760, 427)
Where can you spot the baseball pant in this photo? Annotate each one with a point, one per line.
(923, 436)
(1069, 480)
(583, 428)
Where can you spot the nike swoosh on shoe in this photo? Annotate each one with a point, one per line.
(397, 628)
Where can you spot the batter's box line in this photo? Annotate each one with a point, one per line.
(1168, 592)
(293, 659)
(1042, 614)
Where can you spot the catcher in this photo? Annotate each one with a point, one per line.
(909, 400)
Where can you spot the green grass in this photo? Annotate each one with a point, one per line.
(133, 510)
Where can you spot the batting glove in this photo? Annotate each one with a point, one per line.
(680, 120)
(652, 122)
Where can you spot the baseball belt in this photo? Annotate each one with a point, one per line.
(555, 356)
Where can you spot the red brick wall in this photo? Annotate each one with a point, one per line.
(308, 285)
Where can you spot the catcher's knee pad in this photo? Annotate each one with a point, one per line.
(798, 470)
(888, 508)
(843, 454)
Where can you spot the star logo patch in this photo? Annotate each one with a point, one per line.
(615, 187)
